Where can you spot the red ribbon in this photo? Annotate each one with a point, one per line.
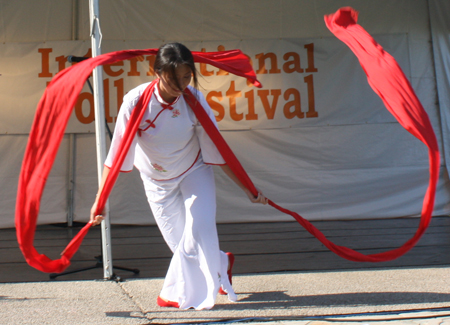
(384, 76)
(390, 83)
(52, 115)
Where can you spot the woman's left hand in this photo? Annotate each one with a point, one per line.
(259, 199)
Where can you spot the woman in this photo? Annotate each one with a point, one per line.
(174, 156)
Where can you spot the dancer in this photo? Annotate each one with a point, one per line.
(174, 156)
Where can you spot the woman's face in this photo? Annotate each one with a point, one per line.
(168, 86)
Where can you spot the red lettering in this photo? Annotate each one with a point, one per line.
(120, 93)
(251, 115)
(294, 65)
(232, 94)
(61, 62)
(151, 63)
(311, 100)
(133, 67)
(89, 118)
(270, 109)
(295, 103)
(45, 63)
(106, 96)
(310, 52)
(262, 63)
(215, 105)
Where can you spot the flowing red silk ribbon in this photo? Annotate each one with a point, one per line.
(384, 75)
(389, 82)
(52, 114)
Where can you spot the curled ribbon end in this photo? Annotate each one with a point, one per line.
(343, 18)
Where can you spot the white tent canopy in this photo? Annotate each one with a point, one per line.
(315, 138)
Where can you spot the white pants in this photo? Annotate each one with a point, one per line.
(185, 211)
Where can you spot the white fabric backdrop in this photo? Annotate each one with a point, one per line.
(440, 29)
(352, 161)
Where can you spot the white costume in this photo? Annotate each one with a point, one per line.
(173, 153)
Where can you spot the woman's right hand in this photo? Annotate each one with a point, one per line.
(96, 219)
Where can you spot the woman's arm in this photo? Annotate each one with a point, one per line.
(97, 219)
(259, 199)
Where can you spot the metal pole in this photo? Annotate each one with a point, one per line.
(100, 132)
(71, 180)
(72, 136)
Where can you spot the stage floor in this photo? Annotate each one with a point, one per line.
(258, 247)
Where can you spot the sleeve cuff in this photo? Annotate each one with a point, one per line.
(215, 164)
(122, 171)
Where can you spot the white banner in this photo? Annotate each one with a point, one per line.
(306, 82)
(440, 31)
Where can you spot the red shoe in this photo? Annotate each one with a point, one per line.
(229, 272)
(163, 303)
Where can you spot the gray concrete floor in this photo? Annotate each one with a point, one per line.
(394, 296)
(298, 280)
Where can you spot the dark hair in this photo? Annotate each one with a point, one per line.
(172, 55)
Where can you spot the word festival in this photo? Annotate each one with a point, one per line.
(235, 103)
